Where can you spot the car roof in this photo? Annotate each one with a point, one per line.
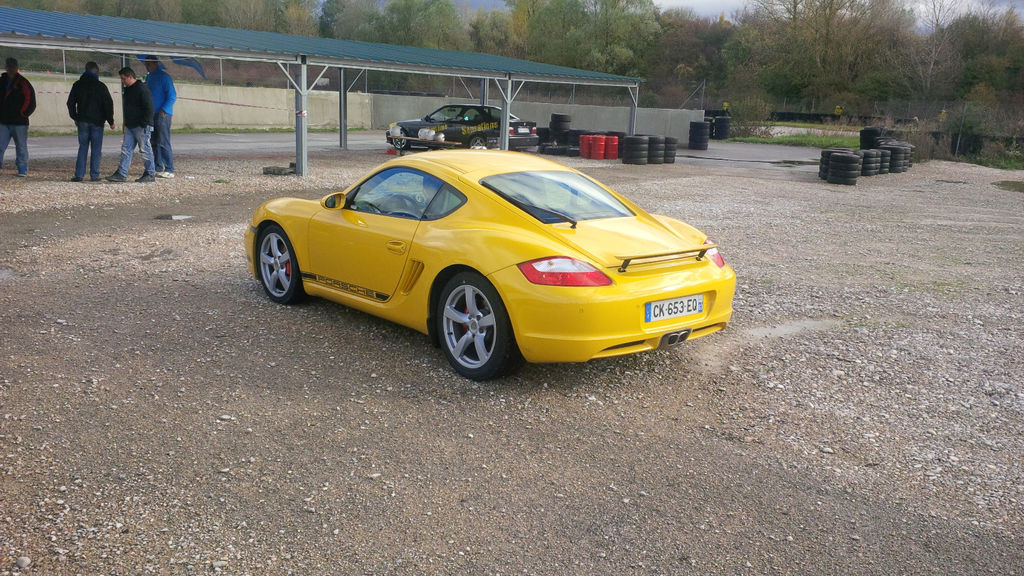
(477, 164)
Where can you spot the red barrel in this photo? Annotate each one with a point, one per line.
(611, 147)
(584, 146)
(597, 146)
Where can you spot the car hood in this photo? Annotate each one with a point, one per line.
(609, 241)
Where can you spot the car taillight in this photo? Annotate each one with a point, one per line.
(533, 130)
(563, 271)
(511, 130)
(715, 255)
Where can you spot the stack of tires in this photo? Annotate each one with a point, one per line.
(840, 165)
(559, 128)
(900, 154)
(700, 132)
(884, 157)
(872, 162)
(634, 149)
(655, 149)
(720, 127)
(869, 136)
(670, 149)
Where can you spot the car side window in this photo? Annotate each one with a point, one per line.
(446, 201)
(397, 192)
(471, 116)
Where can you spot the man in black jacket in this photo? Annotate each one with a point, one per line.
(17, 103)
(137, 105)
(90, 105)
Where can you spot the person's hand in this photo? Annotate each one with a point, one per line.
(112, 127)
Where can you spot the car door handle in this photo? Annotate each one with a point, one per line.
(396, 246)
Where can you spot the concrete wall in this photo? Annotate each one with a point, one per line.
(210, 106)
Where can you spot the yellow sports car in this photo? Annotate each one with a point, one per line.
(497, 256)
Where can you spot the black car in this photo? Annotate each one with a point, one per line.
(470, 125)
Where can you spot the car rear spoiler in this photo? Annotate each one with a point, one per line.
(698, 252)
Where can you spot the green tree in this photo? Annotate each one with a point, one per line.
(349, 19)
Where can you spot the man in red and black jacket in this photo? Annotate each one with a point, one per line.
(17, 103)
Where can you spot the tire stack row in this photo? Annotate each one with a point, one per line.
(559, 128)
(871, 162)
(840, 166)
(719, 127)
(634, 149)
(655, 149)
(901, 154)
(700, 132)
(671, 144)
(869, 137)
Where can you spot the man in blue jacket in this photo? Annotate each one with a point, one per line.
(137, 108)
(161, 86)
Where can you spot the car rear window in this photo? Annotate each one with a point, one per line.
(553, 196)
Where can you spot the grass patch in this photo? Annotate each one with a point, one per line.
(826, 127)
(222, 181)
(809, 140)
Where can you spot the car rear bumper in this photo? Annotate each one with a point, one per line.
(571, 324)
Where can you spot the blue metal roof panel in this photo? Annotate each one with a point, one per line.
(127, 31)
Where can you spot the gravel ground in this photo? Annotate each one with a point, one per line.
(863, 413)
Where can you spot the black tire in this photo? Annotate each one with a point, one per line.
(656, 159)
(477, 141)
(276, 266)
(722, 124)
(843, 158)
(841, 173)
(869, 173)
(844, 181)
(699, 145)
(637, 160)
(473, 328)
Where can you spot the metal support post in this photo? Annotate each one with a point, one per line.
(301, 132)
(342, 110)
(506, 103)
(634, 96)
(485, 86)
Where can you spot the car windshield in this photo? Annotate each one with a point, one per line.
(444, 114)
(557, 196)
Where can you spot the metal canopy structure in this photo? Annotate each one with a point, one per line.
(81, 32)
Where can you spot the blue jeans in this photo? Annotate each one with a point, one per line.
(138, 136)
(163, 156)
(20, 134)
(89, 136)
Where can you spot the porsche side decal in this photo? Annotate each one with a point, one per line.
(347, 287)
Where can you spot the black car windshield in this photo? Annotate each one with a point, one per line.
(557, 196)
(444, 114)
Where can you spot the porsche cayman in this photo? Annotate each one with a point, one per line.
(497, 257)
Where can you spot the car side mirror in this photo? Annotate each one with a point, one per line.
(332, 201)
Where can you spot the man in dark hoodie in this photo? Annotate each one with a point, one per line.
(137, 105)
(17, 103)
(90, 105)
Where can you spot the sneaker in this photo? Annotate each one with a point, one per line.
(117, 177)
(165, 174)
(76, 179)
(22, 175)
(146, 178)
(95, 179)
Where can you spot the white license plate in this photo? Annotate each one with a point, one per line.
(523, 130)
(673, 308)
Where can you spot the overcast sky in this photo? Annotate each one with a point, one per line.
(713, 8)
